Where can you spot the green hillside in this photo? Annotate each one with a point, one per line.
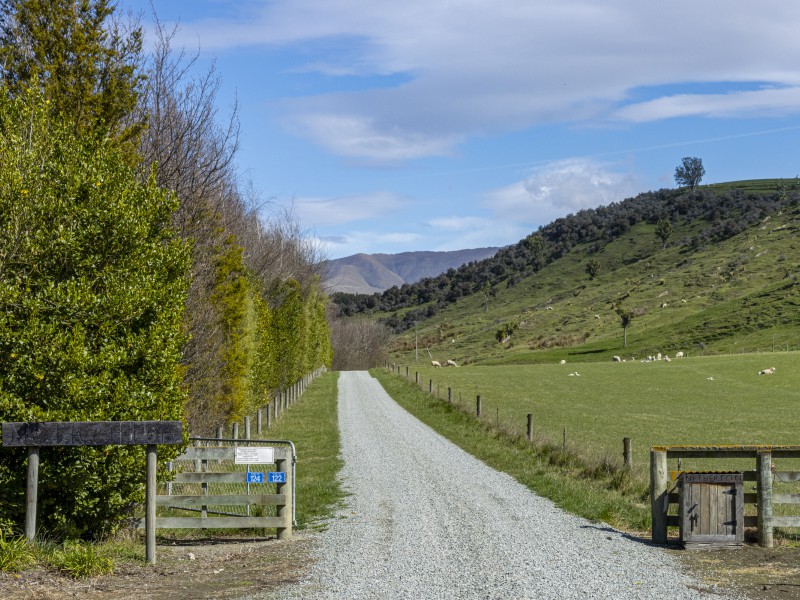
(725, 281)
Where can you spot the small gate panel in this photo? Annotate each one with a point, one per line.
(712, 509)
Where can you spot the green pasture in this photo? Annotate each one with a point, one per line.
(696, 400)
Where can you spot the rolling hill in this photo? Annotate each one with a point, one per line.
(723, 280)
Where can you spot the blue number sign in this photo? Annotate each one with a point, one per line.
(255, 478)
(277, 477)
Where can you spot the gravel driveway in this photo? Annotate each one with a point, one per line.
(427, 520)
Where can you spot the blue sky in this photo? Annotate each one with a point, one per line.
(450, 124)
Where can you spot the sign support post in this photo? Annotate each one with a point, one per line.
(93, 433)
(150, 506)
(32, 492)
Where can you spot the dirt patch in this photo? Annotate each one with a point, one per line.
(757, 573)
(225, 568)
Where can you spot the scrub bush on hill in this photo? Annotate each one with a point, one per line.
(92, 290)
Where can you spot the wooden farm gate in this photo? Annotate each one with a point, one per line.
(230, 484)
(664, 493)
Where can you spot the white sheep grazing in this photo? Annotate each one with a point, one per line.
(616, 359)
(436, 363)
(667, 359)
(769, 371)
(679, 355)
(658, 356)
(563, 362)
(451, 363)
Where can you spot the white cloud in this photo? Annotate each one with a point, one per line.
(325, 212)
(369, 242)
(351, 135)
(485, 67)
(559, 188)
(457, 223)
(762, 102)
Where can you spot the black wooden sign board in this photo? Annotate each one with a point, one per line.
(93, 433)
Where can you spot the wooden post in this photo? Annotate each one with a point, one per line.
(258, 422)
(285, 510)
(32, 495)
(430, 386)
(478, 407)
(247, 428)
(659, 500)
(269, 413)
(150, 506)
(235, 431)
(416, 377)
(626, 452)
(564, 440)
(530, 427)
(204, 488)
(219, 432)
(449, 394)
(764, 484)
(406, 372)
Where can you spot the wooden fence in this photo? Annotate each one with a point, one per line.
(280, 402)
(663, 491)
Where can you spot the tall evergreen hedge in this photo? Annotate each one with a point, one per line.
(93, 285)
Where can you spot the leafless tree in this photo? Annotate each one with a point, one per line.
(358, 344)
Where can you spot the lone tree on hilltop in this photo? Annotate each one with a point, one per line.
(690, 172)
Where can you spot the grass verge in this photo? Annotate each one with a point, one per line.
(313, 425)
(597, 491)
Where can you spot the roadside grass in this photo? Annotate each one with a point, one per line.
(16, 554)
(313, 425)
(599, 491)
(77, 559)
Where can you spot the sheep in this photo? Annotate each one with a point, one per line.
(451, 363)
(679, 355)
(436, 363)
(563, 362)
(658, 356)
(667, 359)
(616, 359)
(769, 371)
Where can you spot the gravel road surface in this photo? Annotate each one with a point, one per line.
(427, 520)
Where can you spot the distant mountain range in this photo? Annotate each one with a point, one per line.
(371, 273)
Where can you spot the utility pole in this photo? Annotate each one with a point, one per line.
(416, 344)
